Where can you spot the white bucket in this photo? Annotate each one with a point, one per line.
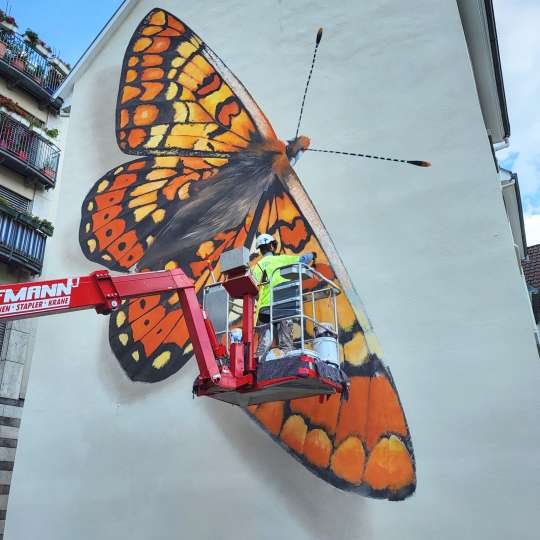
(326, 348)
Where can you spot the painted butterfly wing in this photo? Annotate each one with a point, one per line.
(149, 335)
(361, 444)
(126, 209)
(177, 97)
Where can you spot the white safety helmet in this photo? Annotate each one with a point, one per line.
(264, 240)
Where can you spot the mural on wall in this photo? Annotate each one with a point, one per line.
(212, 175)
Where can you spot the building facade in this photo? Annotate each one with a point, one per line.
(431, 252)
(31, 134)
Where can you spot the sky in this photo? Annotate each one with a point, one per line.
(518, 22)
(69, 26)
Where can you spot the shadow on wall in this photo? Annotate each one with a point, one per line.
(322, 510)
(121, 388)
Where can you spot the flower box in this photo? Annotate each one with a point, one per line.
(10, 27)
(64, 68)
(46, 228)
(3, 49)
(49, 172)
(42, 50)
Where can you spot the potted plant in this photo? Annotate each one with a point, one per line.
(7, 23)
(21, 147)
(36, 43)
(46, 227)
(18, 56)
(38, 74)
(49, 168)
(52, 133)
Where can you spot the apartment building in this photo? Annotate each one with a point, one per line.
(32, 129)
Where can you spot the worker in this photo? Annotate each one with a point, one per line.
(264, 273)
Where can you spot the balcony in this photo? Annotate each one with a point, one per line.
(27, 153)
(22, 242)
(26, 68)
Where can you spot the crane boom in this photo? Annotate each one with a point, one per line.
(228, 374)
(104, 292)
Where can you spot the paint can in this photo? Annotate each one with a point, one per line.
(325, 343)
(326, 348)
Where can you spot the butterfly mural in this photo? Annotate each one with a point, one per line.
(210, 175)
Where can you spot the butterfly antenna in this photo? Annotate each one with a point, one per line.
(317, 41)
(410, 162)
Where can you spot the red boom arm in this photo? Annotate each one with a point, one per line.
(104, 293)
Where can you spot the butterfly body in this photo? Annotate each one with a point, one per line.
(211, 175)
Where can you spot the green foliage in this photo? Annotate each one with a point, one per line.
(52, 133)
(43, 225)
(31, 35)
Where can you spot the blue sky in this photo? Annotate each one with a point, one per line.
(69, 26)
(519, 43)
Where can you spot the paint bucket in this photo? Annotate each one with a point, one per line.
(326, 348)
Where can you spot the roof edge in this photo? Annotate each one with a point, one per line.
(95, 46)
(492, 29)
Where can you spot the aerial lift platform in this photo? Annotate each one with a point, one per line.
(228, 368)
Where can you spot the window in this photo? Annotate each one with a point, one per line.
(14, 199)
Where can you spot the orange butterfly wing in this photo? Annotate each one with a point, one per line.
(177, 97)
(149, 335)
(126, 209)
(179, 102)
(359, 444)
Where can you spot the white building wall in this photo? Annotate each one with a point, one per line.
(429, 250)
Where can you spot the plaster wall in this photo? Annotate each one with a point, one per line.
(429, 250)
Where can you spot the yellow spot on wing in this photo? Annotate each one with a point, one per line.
(162, 359)
(172, 90)
(102, 186)
(143, 211)
(141, 44)
(158, 215)
(146, 188)
(135, 355)
(167, 161)
(356, 351)
(123, 338)
(143, 200)
(156, 135)
(183, 192)
(91, 245)
(120, 319)
(158, 18)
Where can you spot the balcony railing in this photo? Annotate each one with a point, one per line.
(26, 66)
(21, 244)
(27, 152)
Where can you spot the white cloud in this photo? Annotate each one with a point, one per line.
(519, 44)
(532, 229)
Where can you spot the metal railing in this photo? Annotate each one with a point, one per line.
(17, 52)
(294, 304)
(32, 149)
(20, 243)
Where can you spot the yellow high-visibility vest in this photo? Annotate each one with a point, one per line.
(264, 271)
